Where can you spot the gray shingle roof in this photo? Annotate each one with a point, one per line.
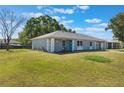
(68, 35)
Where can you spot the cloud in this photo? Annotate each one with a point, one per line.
(66, 22)
(95, 31)
(103, 24)
(57, 18)
(41, 7)
(83, 7)
(94, 20)
(32, 14)
(64, 11)
(63, 17)
(90, 29)
(48, 11)
(62, 20)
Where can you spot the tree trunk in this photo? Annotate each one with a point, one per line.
(7, 47)
(7, 43)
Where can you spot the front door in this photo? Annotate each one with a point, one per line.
(70, 45)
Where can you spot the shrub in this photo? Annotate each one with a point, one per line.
(97, 58)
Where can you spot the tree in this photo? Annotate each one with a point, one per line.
(39, 26)
(9, 23)
(117, 26)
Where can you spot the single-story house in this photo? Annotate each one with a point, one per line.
(59, 41)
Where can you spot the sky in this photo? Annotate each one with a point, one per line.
(90, 20)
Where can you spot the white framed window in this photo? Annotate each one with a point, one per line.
(91, 43)
(79, 43)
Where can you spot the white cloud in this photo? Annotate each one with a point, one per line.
(32, 14)
(64, 11)
(78, 28)
(63, 17)
(103, 24)
(94, 29)
(90, 29)
(48, 11)
(57, 18)
(62, 20)
(66, 22)
(94, 20)
(96, 32)
(41, 7)
(83, 7)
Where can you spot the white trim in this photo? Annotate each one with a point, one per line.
(32, 46)
(72, 45)
(91, 47)
(48, 45)
(79, 47)
(52, 44)
(112, 45)
(105, 45)
(101, 46)
(95, 45)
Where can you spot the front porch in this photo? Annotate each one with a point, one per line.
(67, 45)
(60, 45)
(63, 45)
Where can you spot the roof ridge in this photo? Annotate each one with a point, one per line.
(63, 34)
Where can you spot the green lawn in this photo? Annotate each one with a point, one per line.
(23, 67)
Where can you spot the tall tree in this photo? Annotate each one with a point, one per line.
(9, 23)
(117, 26)
(39, 26)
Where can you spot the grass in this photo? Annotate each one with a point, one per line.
(22, 67)
(97, 58)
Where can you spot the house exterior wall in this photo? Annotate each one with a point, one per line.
(40, 44)
(56, 45)
(86, 45)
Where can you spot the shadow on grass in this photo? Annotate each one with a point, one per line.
(97, 58)
(83, 51)
(120, 50)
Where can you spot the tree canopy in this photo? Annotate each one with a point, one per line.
(117, 26)
(40, 26)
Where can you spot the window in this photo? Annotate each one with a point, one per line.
(91, 43)
(79, 43)
(63, 43)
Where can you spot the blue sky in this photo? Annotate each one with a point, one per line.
(90, 20)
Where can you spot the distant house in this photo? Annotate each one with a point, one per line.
(13, 43)
(59, 41)
(114, 44)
